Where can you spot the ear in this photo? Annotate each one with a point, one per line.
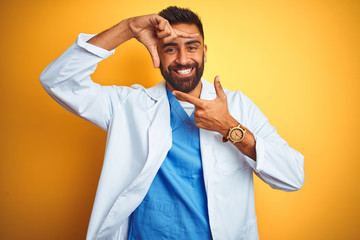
(205, 53)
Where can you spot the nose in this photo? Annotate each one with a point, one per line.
(182, 57)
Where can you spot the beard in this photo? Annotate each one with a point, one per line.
(186, 84)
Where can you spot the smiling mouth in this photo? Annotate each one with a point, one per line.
(185, 71)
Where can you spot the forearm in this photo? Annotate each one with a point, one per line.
(247, 145)
(113, 37)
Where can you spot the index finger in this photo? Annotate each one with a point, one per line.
(179, 34)
(164, 29)
(188, 98)
(182, 34)
(161, 23)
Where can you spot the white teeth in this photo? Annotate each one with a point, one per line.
(184, 71)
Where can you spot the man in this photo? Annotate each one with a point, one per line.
(180, 156)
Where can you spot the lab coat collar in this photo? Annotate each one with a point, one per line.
(158, 91)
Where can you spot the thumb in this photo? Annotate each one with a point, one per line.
(154, 55)
(218, 88)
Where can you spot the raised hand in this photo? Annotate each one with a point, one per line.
(149, 29)
(213, 114)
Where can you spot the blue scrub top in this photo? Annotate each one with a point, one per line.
(175, 206)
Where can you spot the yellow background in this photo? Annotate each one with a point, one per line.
(298, 60)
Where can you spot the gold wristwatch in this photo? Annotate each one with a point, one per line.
(236, 134)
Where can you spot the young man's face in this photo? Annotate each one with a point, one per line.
(182, 60)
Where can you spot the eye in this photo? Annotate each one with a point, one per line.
(170, 50)
(192, 48)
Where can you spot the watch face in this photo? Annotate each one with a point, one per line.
(236, 135)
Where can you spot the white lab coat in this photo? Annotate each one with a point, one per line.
(139, 137)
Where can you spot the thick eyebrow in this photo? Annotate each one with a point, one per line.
(169, 44)
(192, 42)
(175, 44)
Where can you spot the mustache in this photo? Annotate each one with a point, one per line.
(179, 66)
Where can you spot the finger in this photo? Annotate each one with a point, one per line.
(169, 39)
(154, 55)
(163, 34)
(162, 24)
(188, 98)
(163, 29)
(170, 34)
(182, 34)
(158, 21)
(218, 88)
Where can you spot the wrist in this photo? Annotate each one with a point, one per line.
(227, 125)
(129, 28)
(129, 24)
(236, 134)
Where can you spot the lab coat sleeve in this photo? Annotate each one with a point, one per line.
(276, 163)
(68, 81)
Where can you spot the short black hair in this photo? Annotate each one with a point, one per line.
(177, 15)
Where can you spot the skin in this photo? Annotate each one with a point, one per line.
(173, 45)
(183, 51)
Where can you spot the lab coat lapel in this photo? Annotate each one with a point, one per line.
(160, 130)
